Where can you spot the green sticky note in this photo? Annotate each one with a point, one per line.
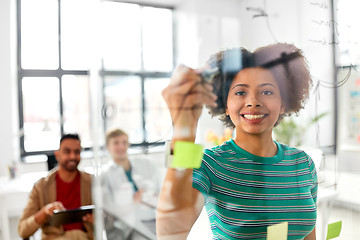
(187, 155)
(277, 232)
(333, 230)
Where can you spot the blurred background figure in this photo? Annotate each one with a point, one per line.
(65, 187)
(130, 188)
(138, 174)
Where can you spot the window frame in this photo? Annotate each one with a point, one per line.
(59, 73)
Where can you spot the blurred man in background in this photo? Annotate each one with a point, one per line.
(65, 187)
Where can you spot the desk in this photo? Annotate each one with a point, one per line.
(14, 194)
(130, 221)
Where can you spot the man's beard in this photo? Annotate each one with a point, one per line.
(68, 166)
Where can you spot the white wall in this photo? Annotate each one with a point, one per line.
(9, 147)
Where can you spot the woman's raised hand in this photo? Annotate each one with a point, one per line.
(185, 96)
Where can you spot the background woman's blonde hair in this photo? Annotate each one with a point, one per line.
(114, 133)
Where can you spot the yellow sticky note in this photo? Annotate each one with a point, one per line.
(277, 232)
(187, 155)
(333, 230)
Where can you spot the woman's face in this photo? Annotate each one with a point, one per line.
(254, 102)
(118, 146)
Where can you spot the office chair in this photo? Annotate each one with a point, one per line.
(51, 161)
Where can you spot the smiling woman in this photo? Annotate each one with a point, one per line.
(251, 181)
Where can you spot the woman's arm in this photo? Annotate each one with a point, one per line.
(179, 203)
(312, 235)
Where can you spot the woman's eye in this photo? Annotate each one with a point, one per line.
(267, 92)
(240, 93)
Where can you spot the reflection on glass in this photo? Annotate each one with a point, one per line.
(158, 121)
(39, 34)
(41, 113)
(121, 36)
(157, 39)
(123, 105)
(76, 107)
(75, 34)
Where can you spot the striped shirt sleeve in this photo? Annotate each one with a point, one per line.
(314, 187)
(201, 180)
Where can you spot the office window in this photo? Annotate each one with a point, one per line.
(123, 98)
(41, 113)
(39, 34)
(157, 118)
(76, 106)
(54, 57)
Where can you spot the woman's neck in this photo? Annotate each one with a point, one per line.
(262, 146)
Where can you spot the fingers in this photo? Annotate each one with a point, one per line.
(185, 96)
(198, 96)
(198, 100)
(190, 87)
(49, 209)
(184, 81)
(183, 74)
(88, 218)
(138, 196)
(60, 206)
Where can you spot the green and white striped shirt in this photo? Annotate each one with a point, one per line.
(245, 193)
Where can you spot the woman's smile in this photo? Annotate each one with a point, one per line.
(254, 118)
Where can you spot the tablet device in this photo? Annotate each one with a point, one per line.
(61, 217)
